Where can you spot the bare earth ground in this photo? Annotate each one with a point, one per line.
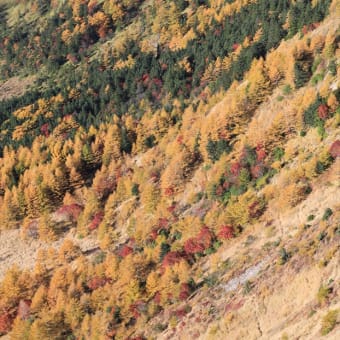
(23, 253)
(15, 87)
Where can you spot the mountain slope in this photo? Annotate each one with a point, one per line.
(174, 168)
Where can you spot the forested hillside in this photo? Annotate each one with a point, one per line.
(194, 144)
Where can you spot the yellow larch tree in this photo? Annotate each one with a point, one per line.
(112, 144)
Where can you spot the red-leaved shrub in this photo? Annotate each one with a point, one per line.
(180, 313)
(192, 246)
(171, 258)
(45, 129)
(201, 242)
(257, 171)
(72, 211)
(235, 168)
(226, 232)
(98, 217)
(163, 223)
(260, 153)
(323, 111)
(6, 320)
(171, 209)
(96, 282)
(169, 191)
(185, 291)
(335, 149)
(124, 251)
(235, 46)
(157, 298)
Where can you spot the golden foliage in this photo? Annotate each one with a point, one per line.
(128, 63)
(68, 251)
